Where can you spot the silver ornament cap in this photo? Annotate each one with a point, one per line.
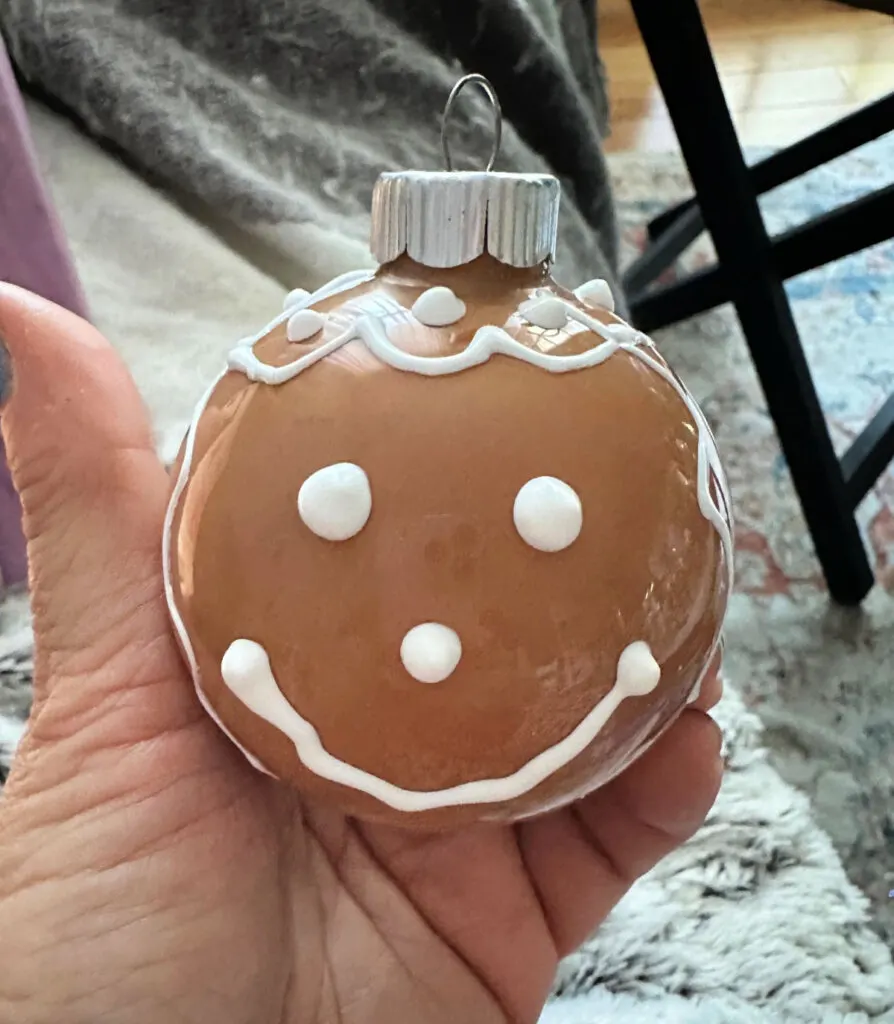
(448, 218)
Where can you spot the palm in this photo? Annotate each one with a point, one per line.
(146, 868)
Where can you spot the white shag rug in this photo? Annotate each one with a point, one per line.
(11, 730)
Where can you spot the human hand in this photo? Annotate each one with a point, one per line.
(148, 874)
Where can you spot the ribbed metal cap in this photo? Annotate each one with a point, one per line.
(447, 218)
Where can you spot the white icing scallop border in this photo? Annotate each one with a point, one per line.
(489, 341)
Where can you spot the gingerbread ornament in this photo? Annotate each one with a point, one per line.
(448, 543)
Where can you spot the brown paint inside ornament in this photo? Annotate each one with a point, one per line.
(445, 457)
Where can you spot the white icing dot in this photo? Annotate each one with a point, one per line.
(335, 502)
(545, 311)
(304, 324)
(638, 672)
(438, 307)
(596, 293)
(548, 514)
(623, 333)
(296, 297)
(430, 652)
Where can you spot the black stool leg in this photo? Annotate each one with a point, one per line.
(848, 133)
(681, 56)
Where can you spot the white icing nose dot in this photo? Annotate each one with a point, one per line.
(544, 311)
(430, 652)
(596, 293)
(548, 514)
(438, 307)
(335, 502)
(304, 324)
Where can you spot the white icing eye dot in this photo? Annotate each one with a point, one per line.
(304, 324)
(548, 514)
(335, 502)
(430, 652)
(296, 297)
(638, 671)
(438, 307)
(544, 311)
(596, 293)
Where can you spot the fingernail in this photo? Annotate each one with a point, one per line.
(5, 374)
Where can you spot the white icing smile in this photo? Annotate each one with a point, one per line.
(246, 671)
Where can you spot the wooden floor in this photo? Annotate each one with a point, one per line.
(788, 67)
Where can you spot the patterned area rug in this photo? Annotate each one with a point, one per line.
(821, 678)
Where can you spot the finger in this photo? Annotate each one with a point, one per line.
(716, 666)
(710, 688)
(93, 492)
(471, 887)
(582, 860)
(710, 693)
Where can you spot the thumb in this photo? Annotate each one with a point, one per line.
(93, 491)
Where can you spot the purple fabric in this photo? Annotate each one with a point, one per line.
(33, 254)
